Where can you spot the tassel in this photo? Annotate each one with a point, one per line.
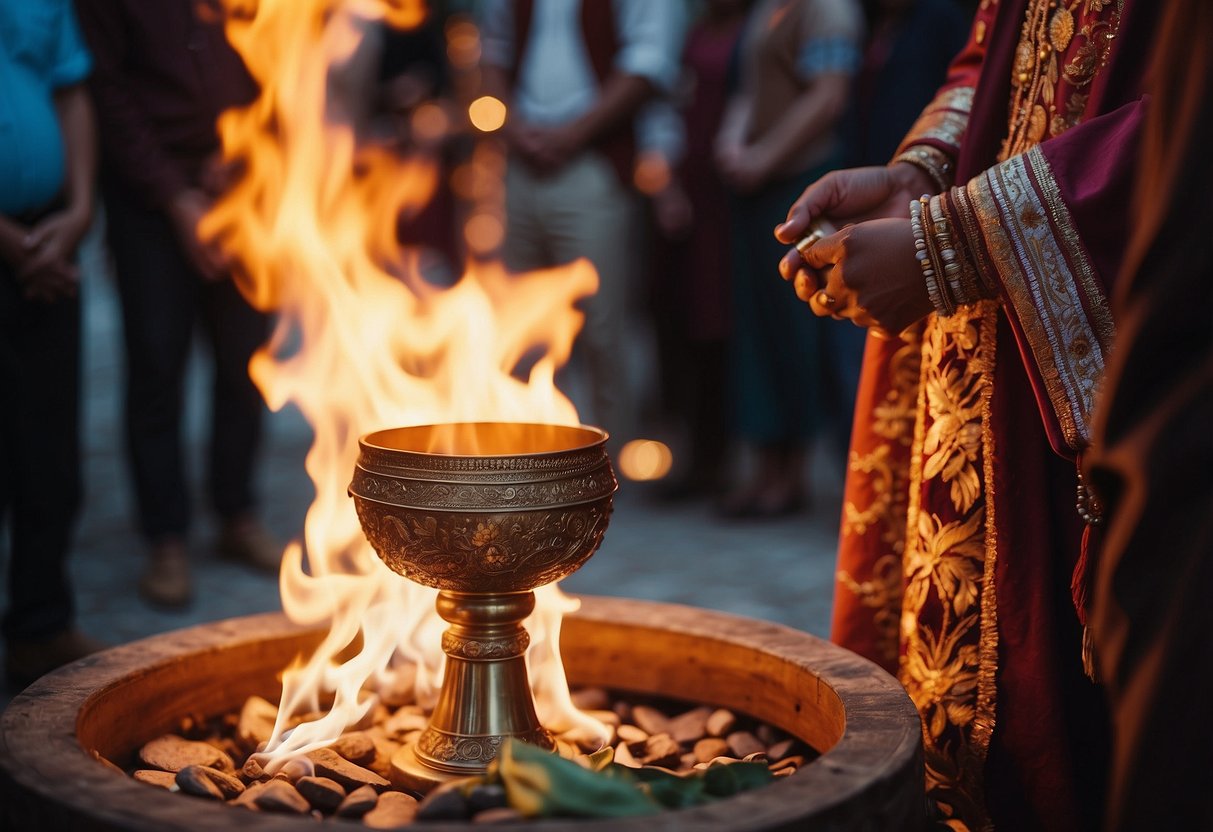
(1090, 510)
(1080, 585)
(1080, 580)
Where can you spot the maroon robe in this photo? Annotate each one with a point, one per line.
(960, 538)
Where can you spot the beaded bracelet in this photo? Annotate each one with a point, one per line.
(932, 241)
(923, 255)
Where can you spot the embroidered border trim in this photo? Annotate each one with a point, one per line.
(987, 667)
(944, 120)
(1048, 281)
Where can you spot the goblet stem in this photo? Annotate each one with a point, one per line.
(485, 694)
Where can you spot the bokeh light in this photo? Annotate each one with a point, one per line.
(462, 43)
(484, 233)
(429, 122)
(487, 114)
(645, 459)
(652, 174)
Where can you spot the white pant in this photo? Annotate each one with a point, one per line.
(583, 210)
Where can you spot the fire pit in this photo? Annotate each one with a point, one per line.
(869, 775)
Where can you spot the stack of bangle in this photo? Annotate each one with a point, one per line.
(951, 280)
(942, 236)
(925, 261)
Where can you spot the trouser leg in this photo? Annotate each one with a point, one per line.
(158, 290)
(235, 331)
(39, 456)
(525, 246)
(590, 214)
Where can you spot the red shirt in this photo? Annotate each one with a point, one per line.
(162, 76)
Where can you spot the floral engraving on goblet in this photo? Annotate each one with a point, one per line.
(512, 552)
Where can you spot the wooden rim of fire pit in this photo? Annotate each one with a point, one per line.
(869, 775)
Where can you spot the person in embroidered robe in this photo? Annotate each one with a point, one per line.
(989, 244)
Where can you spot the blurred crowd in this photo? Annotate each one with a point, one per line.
(662, 141)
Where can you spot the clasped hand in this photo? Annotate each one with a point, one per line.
(542, 148)
(45, 266)
(866, 272)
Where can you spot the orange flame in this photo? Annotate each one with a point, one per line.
(363, 343)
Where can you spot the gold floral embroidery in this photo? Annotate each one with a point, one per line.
(947, 558)
(883, 511)
(944, 674)
(1061, 28)
(1056, 56)
(887, 485)
(893, 420)
(882, 594)
(944, 565)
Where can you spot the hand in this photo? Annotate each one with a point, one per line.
(866, 273)
(673, 211)
(219, 175)
(745, 169)
(746, 174)
(47, 271)
(58, 236)
(50, 281)
(856, 195)
(523, 141)
(186, 211)
(553, 147)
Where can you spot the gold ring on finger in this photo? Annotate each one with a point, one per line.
(808, 241)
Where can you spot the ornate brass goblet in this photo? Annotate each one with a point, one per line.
(485, 513)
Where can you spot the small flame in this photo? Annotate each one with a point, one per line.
(362, 343)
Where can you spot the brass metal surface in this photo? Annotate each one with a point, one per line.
(485, 513)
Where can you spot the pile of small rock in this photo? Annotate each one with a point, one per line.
(349, 779)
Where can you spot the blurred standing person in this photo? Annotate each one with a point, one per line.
(574, 75)
(790, 373)
(396, 91)
(164, 72)
(691, 285)
(910, 44)
(414, 74)
(47, 166)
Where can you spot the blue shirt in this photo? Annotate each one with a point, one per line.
(41, 50)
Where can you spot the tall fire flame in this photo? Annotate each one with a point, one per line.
(362, 342)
